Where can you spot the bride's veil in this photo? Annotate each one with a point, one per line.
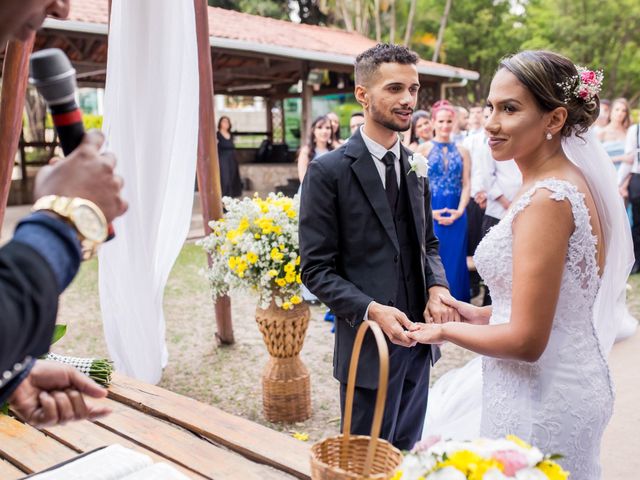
(610, 305)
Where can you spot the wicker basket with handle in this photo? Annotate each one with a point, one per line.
(349, 456)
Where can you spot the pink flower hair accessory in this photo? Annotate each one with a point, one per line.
(585, 85)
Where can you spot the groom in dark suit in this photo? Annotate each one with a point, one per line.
(368, 249)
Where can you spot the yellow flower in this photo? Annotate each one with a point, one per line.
(252, 257)
(463, 460)
(291, 213)
(289, 267)
(244, 224)
(257, 236)
(301, 436)
(272, 273)
(232, 262)
(552, 470)
(281, 282)
(397, 475)
(298, 279)
(296, 300)
(298, 260)
(518, 441)
(276, 255)
(477, 471)
(290, 277)
(287, 306)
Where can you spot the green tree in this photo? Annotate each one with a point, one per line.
(591, 33)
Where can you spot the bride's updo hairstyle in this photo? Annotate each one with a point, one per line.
(553, 81)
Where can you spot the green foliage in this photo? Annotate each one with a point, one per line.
(594, 34)
(58, 332)
(480, 32)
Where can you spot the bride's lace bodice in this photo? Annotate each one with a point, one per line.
(563, 401)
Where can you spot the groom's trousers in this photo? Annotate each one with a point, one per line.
(406, 403)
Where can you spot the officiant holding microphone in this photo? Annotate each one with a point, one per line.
(368, 250)
(74, 197)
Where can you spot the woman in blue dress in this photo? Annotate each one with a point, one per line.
(449, 167)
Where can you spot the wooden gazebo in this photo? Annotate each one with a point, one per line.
(239, 54)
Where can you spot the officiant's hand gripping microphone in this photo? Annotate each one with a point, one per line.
(55, 79)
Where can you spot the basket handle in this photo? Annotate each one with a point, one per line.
(383, 353)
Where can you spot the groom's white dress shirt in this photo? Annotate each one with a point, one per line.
(377, 151)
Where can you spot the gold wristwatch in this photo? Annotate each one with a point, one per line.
(83, 215)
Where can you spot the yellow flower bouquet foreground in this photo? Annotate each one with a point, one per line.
(481, 459)
(255, 247)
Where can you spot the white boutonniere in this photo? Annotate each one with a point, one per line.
(419, 165)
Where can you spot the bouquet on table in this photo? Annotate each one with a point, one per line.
(255, 247)
(481, 459)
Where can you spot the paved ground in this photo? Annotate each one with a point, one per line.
(621, 443)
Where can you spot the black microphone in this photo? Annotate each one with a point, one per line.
(51, 72)
(54, 77)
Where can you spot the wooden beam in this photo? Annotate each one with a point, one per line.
(268, 108)
(306, 97)
(208, 168)
(15, 73)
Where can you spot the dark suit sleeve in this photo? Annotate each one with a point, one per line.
(434, 271)
(28, 304)
(319, 246)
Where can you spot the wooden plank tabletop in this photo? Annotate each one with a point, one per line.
(199, 440)
(9, 472)
(249, 439)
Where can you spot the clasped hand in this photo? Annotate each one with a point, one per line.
(446, 216)
(432, 332)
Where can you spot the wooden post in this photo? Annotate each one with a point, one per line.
(307, 96)
(15, 74)
(269, 112)
(208, 169)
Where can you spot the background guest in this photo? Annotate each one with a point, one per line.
(476, 144)
(614, 134)
(421, 129)
(461, 125)
(335, 129)
(229, 172)
(319, 141)
(629, 181)
(357, 119)
(476, 120)
(449, 172)
(603, 116)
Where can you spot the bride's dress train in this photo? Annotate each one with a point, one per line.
(560, 403)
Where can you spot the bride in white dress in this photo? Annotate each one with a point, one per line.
(556, 266)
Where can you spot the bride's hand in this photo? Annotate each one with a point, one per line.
(469, 313)
(426, 333)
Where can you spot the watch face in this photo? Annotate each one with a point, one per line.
(89, 224)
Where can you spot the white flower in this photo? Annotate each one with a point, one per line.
(494, 474)
(419, 165)
(447, 473)
(530, 474)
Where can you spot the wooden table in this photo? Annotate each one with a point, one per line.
(201, 441)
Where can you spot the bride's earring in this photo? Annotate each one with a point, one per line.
(548, 136)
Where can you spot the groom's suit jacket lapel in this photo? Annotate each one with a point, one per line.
(367, 174)
(369, 178)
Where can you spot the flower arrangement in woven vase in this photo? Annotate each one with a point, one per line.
(255, 248)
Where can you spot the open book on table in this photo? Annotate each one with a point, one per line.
(114, 462)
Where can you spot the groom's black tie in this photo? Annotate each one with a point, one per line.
(391, 180)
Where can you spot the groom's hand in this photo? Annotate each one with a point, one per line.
(437, 311)
(391, 321)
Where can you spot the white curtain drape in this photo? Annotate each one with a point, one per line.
(151, 124)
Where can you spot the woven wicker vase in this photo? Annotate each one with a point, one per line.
(286, 388)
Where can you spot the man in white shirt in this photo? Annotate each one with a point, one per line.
(476, 144)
